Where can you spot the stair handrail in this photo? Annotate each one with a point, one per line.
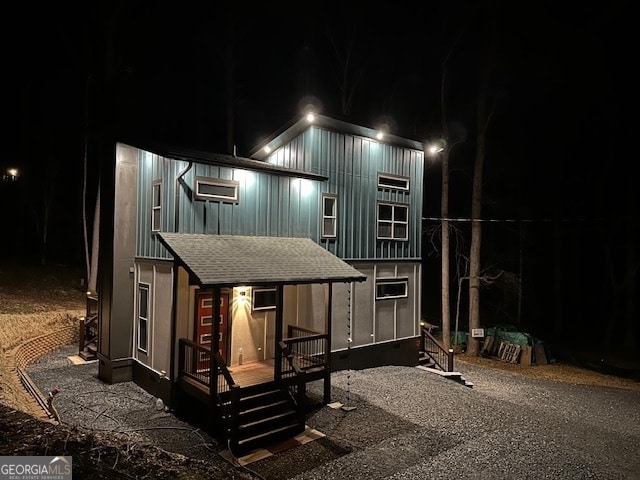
(299, 386)
(291, 359)
(435, 351)
(230, 410)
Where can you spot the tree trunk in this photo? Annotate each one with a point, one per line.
(476, 240)
(84, 213)
(446, 286)
(95, 243)
(473, 345)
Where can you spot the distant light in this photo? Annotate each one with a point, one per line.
(267, 149)
(310, 117)
(13, 172)
(379, 135)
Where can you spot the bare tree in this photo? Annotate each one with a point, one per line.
(42, 212)
(484, 113)
(351, 64)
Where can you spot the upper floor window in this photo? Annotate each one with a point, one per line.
(391, 288)
(393, 221)
(329, 215)
(156, 206)
(217, 189)
(394, 182)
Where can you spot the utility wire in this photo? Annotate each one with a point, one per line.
(507, 220)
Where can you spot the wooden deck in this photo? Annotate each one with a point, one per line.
(252, 373)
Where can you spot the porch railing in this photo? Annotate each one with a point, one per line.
(308, 347)
(194, 363)
(431, 347)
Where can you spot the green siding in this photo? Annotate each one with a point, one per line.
(291, 207)
(352, 164)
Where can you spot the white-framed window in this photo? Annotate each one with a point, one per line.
(393, 221)
(263, 298)
(217, 189)
(387, 288)
(329, 215)
(393, 182)
(143, 316)
(156, 206)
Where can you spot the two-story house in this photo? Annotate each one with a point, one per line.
(223, 277)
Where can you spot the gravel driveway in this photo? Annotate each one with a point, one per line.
(407, 424)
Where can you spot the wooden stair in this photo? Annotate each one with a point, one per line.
(267, 415)
(456, 376)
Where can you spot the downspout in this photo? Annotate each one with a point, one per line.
(179, 181)
(176, 279)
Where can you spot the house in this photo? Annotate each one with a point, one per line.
(228, 283)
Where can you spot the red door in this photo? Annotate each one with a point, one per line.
(204, 325)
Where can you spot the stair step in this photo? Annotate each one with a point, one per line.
(85, 355)
(262, 411)
(266, 425)
(272, 437)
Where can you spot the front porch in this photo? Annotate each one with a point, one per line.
(260, 401)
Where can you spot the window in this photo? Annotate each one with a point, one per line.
(393, 223)
(391, 288)
(217, 189)
(394, 182)
(329, 215)
(156, 214)
(264, 299)
(143, 316)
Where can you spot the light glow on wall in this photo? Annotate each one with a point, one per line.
(244, 176)
(304, 186)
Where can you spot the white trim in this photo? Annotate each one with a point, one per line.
(333, 217)
(217, 182)
(392, 280)
(139, 287)
(394, 178)
(253, 299)
(392, 222)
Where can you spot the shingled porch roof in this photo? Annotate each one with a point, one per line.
(228, 260)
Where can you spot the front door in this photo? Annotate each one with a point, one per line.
(204, 325)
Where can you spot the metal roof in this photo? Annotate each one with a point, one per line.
(295, 128)
(191, 155)
(228, 260)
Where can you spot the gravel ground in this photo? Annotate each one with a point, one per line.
(407, 424)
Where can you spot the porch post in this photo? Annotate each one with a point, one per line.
(215, 343)
(327, 354)
(277, 371)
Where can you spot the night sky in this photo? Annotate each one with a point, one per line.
(559, 163)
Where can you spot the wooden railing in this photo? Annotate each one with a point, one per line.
(308, 347)
(435, 351)
(88, 329)
(194, 363)
(293, 378)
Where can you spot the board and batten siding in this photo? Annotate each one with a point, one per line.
(275, 205)
(352, 164)
(268, 205)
